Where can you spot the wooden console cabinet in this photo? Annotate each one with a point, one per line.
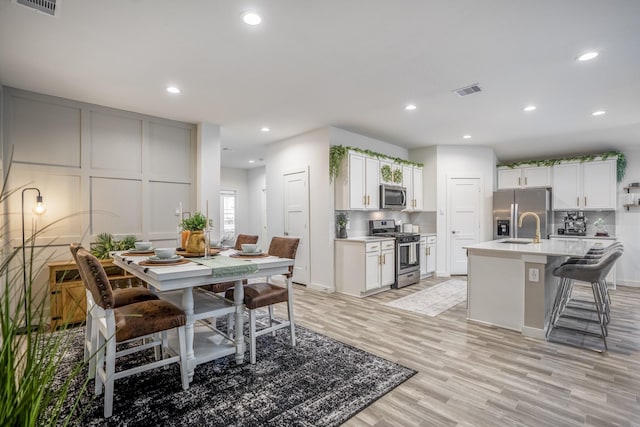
(68, 300)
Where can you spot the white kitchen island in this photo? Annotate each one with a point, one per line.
(511, 285)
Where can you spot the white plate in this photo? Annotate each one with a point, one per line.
(174, 258)
(249, 253)
(140, 251)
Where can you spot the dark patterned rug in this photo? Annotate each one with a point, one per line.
(320, 382)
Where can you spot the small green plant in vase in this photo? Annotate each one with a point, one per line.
(342, 218)
(195, 224)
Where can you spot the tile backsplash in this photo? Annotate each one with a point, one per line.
(359, 220)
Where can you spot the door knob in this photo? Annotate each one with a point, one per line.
(286, 233)
(453, 231)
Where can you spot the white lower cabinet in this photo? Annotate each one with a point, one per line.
(611, 277)
(427, 256)
(364, 267)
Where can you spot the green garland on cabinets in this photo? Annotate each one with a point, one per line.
(621, 165)
(338, 152)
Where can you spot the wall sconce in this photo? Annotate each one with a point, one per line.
(38, 209)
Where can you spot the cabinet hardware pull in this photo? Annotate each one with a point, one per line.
(525, 180)
(519, 181)
(577, 201)
(384, 258)
(585, 201)
(364, 200)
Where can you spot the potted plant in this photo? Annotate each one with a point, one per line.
(105, 244)
(342, 218)
(195, 224)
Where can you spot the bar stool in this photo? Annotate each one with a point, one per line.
(593, 273)
(591, 257)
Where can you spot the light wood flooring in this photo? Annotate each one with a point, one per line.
(474, 375)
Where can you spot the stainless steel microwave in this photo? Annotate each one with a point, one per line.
(393, 197)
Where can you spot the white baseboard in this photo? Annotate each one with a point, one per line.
(631, 283)
(528, 331)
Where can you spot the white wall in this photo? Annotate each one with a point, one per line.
(628, 225)
(257, 184)
(307, 150)
(339, 136)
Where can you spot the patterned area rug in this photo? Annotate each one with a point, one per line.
(320, 382)
(434, 300)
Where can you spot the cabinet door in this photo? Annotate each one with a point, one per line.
(407, 182)
(357, 196)
(431, 258)
(388, 268)
(417, 189)
(566, 186)
(372, 183)
(536, 176)
(388, 164)
(509, 178)
(423, 256)
(372, 273)
(73, 298)
(599, 184)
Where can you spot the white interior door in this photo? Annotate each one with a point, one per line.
(296, 220)
(464, 219)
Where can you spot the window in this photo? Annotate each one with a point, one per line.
(228, 215)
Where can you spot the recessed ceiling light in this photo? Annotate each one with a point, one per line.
(529, 108)
(467, 137)
(410, 107)
(173, 89)
(265, 129)
(587, 56)
(251, 18)
(252, 161)
(598, 113)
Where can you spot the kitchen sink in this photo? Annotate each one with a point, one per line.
(517, 241)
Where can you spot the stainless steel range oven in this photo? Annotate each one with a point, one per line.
(407, 251)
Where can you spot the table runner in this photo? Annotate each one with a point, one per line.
(225, 266)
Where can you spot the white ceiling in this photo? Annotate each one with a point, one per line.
(353, 64)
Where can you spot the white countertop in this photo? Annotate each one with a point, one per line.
(364, 239)
(549, 247)
(570, 236)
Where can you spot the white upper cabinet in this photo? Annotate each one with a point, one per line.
(357, 185)
(588, 185)
(412, 181)
(524, 177)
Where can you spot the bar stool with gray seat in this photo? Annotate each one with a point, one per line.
(595, 274)
(121, 297)
(266, 294)
(592, 256)
(141, 320)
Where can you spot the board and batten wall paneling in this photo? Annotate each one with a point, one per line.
(64, 218)
(43, 132)
(170, 148)
(116, 142)
(162, 199)
(116, 206)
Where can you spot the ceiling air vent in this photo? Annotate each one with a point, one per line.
(468, 90)
(45, 6)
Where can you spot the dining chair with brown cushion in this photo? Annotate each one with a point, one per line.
(145, 321)
(121, 297)
(224, 286)
(266, 294)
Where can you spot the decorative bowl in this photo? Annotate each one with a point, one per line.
(249, 247)
(165, 252)
(143, 246)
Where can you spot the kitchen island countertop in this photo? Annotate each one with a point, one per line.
(547, 247)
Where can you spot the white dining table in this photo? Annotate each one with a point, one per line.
(179, 284)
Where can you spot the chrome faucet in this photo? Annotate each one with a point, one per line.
(537, 238)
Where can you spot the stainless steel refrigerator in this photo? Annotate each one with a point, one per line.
(509, 205)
